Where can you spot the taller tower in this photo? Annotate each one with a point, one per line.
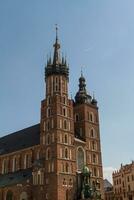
(70, 137)
(57, 129)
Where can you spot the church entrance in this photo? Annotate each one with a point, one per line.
(9, 195)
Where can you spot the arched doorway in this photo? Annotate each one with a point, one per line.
(9, 195)
(23, 196)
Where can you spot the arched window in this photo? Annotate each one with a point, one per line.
(94, 158)
(66, 139)
(47, 139)
(77, 117)
(48, 100)
(64, 111)
(67, 167)
(65, 124)
(91, 117)
(66, 153)
(94, 171)
(94, 145)
(48, 125)
(48, 112)
(64, 100)
(80, 158)
(92, 133)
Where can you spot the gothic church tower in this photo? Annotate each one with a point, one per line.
(70, 136)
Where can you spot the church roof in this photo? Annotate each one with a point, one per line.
(15, 178)
(21, 139)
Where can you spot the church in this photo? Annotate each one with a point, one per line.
(45, 161)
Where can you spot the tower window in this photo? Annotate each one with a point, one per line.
(66, 139)
(48, 112)
(48, 100)
(77, 117)
(94, 158)
(64, 112)
(66, 153)
(67, 167)
(65, 124)
(64, 100)
(92, 133)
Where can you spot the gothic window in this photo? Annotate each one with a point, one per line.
(64, 100)
(27, 161)
(65, 124)
(66, 153)
(48, 112)
(92, 133)
(48, 125)
(67, 167)
(80, 158)
(47, 139)
(64, 112)
(94, 158)
(91, 117)
(64, 182)
(93, 145)
(48, 100)
(77, 117)
(95, 171)
(66, 139)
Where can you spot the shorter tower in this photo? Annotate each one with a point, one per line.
(87, 134)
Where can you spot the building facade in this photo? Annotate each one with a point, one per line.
(123, 182)
(43, 162)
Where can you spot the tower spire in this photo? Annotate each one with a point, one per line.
(56, 58)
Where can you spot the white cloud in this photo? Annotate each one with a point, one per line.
(107, 173)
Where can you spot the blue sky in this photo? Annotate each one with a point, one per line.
(95, 35)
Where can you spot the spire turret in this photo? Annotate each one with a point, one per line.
(81, 95)
(57, 66)
(56, 58)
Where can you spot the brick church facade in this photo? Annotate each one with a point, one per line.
(43, 162)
